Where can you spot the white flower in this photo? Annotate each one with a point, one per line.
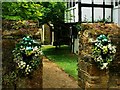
(28, 36)
(99, 58)
(28, 69)
(104, 66)
(113, 49)
(106, 54)
(109, 46)
(28, 48)
(36, 55)
(41, 52)
(105, 49)
(35, 48)
(21, 64)
(21, 46)
(96, 44)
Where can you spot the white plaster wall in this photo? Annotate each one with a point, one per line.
(76, 13)
(119, 15)
(86, 14)
(76, 46)
(115, 15)
(98, 12)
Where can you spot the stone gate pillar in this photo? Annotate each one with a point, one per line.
(89, 75)
(9, 40)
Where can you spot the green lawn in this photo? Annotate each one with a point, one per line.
(63, 58)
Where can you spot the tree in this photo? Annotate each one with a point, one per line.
(21, 10)
(45, 12)
(42, 11)
(53, 11)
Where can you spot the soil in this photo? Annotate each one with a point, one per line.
(54, 77)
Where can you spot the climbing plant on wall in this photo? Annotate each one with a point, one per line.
(27, 56)
(103, 51)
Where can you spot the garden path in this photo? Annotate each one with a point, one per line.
(54, 77)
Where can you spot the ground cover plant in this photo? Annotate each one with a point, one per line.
(63, 58)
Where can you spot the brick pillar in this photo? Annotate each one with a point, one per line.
(89, 75)
(8, 45)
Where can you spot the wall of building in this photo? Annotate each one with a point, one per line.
(72, 14)
(116, 13)
(46, 34)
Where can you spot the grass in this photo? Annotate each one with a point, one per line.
(63, 58)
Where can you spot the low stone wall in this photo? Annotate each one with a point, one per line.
(89, 75)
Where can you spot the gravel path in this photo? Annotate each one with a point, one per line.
(54, 77)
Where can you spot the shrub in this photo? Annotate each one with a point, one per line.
(26, 56)
(103, 51)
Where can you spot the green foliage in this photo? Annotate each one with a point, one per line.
(103, 20)
(78, 26)
(103, 51)
(26, 56)
(53, 11)
(21, 10)
(43, 11)
(20, 24)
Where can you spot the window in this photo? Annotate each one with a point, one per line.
(116, 2)
(73, 3)
(86, 1)
(86, 14)
(98, 14)
(98, 1)
(70, 4)
(108, 14)
(108, 2)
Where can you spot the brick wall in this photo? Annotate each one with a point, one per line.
(89, 75)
